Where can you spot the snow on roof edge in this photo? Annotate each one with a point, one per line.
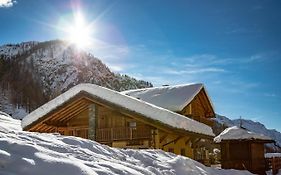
(160, 87)
(189, 100)
(151, 111)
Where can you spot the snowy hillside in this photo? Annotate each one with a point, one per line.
(11, 50)
(251, 126)
(35, 72)
(5, 105)
(38, 153)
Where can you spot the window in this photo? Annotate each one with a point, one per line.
(132, 124)
(183, 152)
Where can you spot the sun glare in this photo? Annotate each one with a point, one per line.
(79, 32)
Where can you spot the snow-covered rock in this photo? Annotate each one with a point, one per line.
(39, 153)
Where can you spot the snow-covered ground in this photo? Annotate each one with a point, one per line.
(7, 106)
(38, 153)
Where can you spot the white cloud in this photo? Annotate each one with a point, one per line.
(241, 87)
(7, 3)
(157, 81)
(114, 56)
(119, 67)
(214, 60)
(108, 51)
(217, 82)
(270, 95)
(195, 71)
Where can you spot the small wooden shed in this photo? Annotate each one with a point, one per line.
(242, 149)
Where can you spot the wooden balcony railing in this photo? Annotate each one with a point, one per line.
(274, 164)
(122, 133)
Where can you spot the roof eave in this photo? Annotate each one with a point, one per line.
(247, 140)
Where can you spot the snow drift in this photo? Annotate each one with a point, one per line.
(38, 153)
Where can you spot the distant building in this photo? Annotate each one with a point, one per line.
(242, 149)
(118, 120)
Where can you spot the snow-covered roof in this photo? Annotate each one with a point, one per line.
(237, 133)
(174, 98)
(148, 110)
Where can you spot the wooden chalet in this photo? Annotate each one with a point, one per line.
(243, 150)
(190, 100)
(112, 118)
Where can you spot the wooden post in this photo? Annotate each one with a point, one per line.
(273, 166)
(131, 133)
(156, 139)
(92, 121)
(111, 134)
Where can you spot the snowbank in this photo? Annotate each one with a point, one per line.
(8, 123)
(146, 109)
(237, 133)
(39, 153)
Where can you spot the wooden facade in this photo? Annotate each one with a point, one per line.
(93, 118)
(244, 155)
(200, 109)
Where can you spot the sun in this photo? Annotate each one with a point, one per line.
(79, 32)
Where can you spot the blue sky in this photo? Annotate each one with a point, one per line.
(233, 47)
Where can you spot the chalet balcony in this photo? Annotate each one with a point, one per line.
(122, 133)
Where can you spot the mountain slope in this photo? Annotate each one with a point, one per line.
(40, 153)
(35, 72)
(222, 122)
